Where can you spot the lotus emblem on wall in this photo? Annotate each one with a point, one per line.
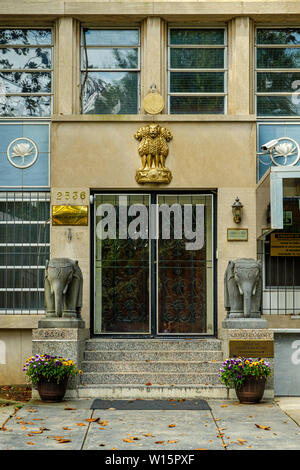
(22, 152)
(286, 152)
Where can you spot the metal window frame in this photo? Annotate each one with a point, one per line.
(51, 70)
(275, 70)
(184, 70)
(10, 197)
(137, 70)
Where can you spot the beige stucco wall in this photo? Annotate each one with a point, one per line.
(15, 348)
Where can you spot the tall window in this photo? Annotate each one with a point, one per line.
(110, 65)
(197, 64)
(26, 72)
(277, 71)
(24, 249)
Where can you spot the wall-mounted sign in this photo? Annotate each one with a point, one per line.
(254, 348)
(69, 215)
(285, 244)
(237, 234)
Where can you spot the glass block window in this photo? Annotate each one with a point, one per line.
(197, 70)
(110, 71)
(24, 249)
(277, 71)
(26, 67)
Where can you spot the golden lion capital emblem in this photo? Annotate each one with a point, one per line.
(153, 150)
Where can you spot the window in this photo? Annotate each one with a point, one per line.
(24, 249)
(110, 65)
(197, 70)
(26, 72)
(277, 71)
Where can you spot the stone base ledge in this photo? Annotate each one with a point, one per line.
(245, 323)
(60, 334)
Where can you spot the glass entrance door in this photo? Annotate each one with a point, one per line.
(153, 264)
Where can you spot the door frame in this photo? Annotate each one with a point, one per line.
(153, 304)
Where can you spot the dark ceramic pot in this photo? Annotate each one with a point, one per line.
(52, 391)
(251, 390)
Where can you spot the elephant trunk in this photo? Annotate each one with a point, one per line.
(58, 296)
(247, 294)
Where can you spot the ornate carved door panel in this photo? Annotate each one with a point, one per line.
(153, 264)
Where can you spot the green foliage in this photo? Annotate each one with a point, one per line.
(234, 371)
(51, 367)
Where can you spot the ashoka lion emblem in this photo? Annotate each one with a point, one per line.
(22, 152)
(153, 150)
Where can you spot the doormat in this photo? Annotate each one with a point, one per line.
(150, 404)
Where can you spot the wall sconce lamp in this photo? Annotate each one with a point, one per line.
(237, 208)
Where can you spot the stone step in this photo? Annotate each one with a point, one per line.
(152, 367)
(144, 378)
(133, 391)
(152, 355)
(109, 344)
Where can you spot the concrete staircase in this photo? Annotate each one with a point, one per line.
(152, 368)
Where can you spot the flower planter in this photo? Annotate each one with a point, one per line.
(252, 389)
(52, 391)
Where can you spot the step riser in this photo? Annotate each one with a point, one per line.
(143, 379)
(153, 356)
(152, 344)
(155, 367)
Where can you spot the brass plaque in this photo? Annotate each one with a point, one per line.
(69, 215)
(251, 348)
(237, 234)
(285, 244)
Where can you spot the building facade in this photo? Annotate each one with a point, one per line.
(77, 82)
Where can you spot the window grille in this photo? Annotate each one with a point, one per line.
(197, 70)
(26, 67)
(24, 249)
(110, 71)
(277, 71)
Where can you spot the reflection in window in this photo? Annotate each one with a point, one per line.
(197, 71)
(110, 71)
(25, 72)
(277, 71)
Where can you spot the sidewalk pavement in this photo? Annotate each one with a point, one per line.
(228, 425)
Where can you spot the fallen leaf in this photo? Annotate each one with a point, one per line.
(104, 423)
(80, 424)
(31, 443)
(201, 449)
(260, 426)
(173, 442)
(224, 406)
(66, 429)
(159, 442)
(37, 419)
(148, 384)
(111, 409)
(23, 427)
(92, 420)
(224, 445)
(36, 432)
(32, 410)
(171, 425)
(148, 434)
(241, 441)
(63, 441)
(68, 408)
(128, 440)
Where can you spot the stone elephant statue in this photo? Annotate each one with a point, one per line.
(63, 288)
(243, 288)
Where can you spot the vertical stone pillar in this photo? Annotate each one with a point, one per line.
(240, 66)
(67, 70)
(153, 59)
